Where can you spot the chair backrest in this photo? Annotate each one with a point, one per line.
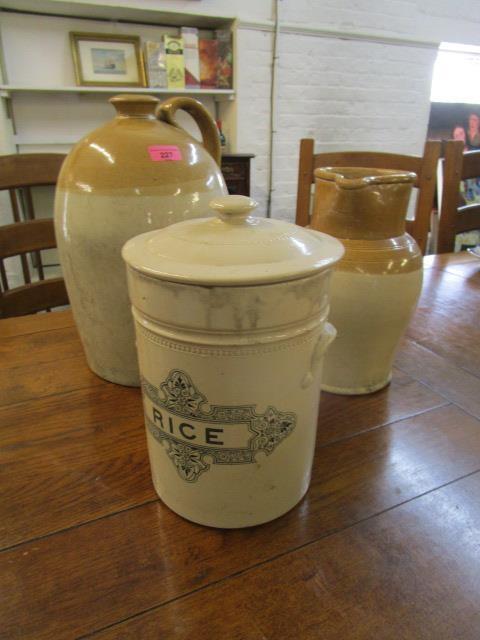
(29, 169)
(18, 239)
(455, 216)
(18, 173)
(424, 166)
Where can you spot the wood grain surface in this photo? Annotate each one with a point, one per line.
(384, 545)
(443, 322)
(409, 573)
(25, 325)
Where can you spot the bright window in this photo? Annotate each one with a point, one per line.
(456, 74)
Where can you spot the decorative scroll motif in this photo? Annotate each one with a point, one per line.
(271, 429)
(181, 396)
(188, 460)
(209, 427)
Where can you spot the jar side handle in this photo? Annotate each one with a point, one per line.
(328, 335)
(210, 137)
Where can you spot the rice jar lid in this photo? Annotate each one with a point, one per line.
(232, 248)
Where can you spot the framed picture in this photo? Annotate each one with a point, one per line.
(103, 60)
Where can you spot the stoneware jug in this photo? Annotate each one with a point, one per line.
(136, 173)
(375, 287)
(231, 321)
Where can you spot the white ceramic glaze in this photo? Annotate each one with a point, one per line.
(232, 248)
(91, 231)
(370, 313)
(231, 372)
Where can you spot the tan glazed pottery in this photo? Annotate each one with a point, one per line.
(136, 173)
(231, 322)
(375, 287)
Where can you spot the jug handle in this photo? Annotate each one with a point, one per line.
(210, 137)
(328, 335)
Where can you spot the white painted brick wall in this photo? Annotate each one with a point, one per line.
(388, 16)
(253, 105)
(449, 20)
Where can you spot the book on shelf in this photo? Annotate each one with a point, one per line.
(191, 57)
(175, 62)
(208, 50)
(224, 59)
(155, 63)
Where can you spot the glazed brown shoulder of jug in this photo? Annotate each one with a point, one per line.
(376, 285)
(136, 173)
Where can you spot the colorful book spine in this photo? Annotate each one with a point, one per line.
(155, 64)
(191, 56)
(208, 50)
(175, 62)
(225, 59)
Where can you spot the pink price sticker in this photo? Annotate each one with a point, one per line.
(164, 152)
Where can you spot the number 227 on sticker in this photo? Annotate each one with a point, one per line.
(162, 152)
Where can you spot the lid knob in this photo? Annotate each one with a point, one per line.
(233, 209)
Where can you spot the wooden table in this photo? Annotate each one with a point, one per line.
(386, 545)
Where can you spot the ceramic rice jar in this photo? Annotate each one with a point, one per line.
(231, 322)
(376, 285)
(136, 173)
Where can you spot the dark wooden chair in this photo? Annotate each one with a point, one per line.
(21, 238)
(456, 216)
(424, 166)
(18, 173)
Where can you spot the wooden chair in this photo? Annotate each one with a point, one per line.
(18, 239)
(18, 173)
(456, 216)
(424, 166)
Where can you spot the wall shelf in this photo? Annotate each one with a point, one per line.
(7, 89)
(91, 10)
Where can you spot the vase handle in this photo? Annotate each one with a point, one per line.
(210, 137)
(327, 336)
